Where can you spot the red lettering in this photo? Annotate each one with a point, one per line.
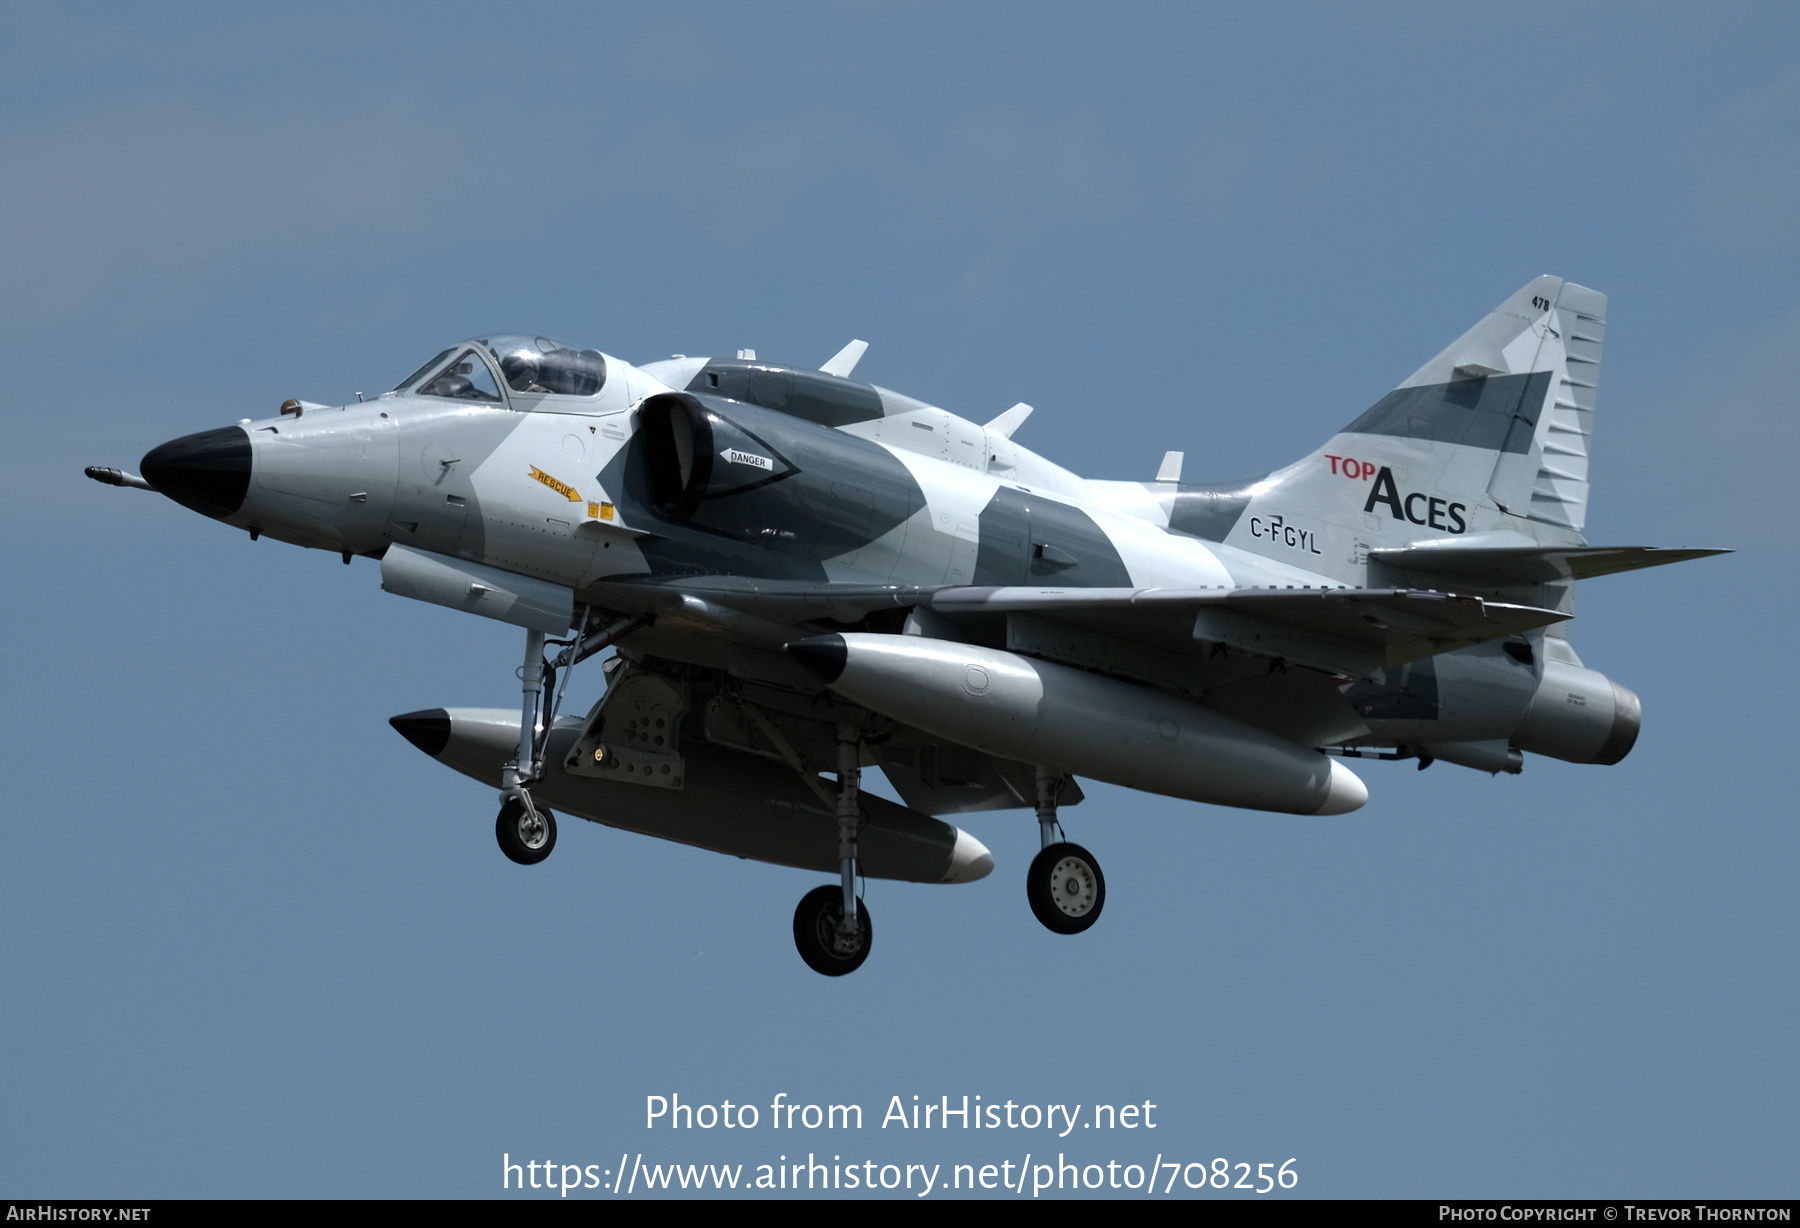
(1368, 470)
(1334, 461)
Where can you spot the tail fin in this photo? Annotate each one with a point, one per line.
(1520, 384)
(1490, 435)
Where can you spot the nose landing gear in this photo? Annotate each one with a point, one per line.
(1064, 885)
(521, 826)
(527, 831)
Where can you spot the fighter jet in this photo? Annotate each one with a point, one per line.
(803, 577)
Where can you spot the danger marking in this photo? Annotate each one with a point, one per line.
(734, 457)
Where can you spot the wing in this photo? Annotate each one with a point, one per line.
(1230, 645)
(1154, 632)
(1357, 632)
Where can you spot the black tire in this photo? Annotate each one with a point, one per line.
(517, 841)
(815, 932)
(1065, 888)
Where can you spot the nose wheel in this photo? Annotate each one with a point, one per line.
(526, 834)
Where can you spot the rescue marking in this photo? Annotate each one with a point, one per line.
(562, 488)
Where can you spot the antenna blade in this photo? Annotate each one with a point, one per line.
(844, 361)
(1011, 420)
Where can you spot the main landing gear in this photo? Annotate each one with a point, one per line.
(831, 926)
(1064, 885)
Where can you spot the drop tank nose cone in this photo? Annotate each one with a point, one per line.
(208, 472)
(429, 730)
(824, 655)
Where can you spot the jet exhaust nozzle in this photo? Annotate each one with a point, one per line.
(1580, 715)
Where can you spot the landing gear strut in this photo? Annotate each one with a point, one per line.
(831, 925)
(526, 830)
(526, 834)
(1064, 885)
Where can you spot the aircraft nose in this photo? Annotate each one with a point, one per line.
(208, 472)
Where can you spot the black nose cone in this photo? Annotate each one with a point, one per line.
(208, 472)
(824, 655)
(428, 730)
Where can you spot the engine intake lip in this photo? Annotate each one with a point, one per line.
(679, 450)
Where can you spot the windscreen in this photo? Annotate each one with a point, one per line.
(423, 371)
(467, 378)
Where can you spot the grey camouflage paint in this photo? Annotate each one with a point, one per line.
(798, 482)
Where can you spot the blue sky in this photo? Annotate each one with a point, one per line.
(254, 944)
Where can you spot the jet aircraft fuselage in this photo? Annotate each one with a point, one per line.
(805, 576)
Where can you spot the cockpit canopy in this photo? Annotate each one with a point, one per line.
(528, 364)
(543, 364)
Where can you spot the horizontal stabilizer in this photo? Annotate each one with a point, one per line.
(844, 361)
(1533, 564)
